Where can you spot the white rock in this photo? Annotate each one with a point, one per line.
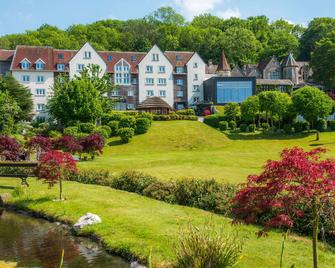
(135, 264)
(87, 219)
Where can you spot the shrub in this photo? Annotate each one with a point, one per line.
(40, 144)
(252, 128)
(114, 126)
(93, 176)
(288, 128)
(332, 124)
(232, 125)
(243, 127)
(127, 122)
(150, 116)
(223, 125)
(54, 134)
(186, 112)
(86, 128)
(214, 119)
(298, 126)
(68, 144)
(92, 144)
(321, 125)
(142, 125)
(71, 131)
(9, 148)
(163, 191)
(105, 131)
(161, 117)
(207, 246)
(265, 126)
(132, 181)
(126, 134)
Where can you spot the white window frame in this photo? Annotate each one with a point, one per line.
(162, 81)
(80, 67)
(25, 64)
(180, 70)
(180, 93)
(130, 93)
(161, 69)
(62, 68)
(40, 92)
(40, 79)
(150, 81)
(151, 93)
(24, 78)
(155, 57)
(162, 93)
(40, 65)
(87, 55)
(149, 69)
(40, 107)
(196, 77)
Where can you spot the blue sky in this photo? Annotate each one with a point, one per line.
(20, 15)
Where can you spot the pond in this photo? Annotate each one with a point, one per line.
(31, 242)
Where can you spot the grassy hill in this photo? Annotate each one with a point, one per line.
(177, 149)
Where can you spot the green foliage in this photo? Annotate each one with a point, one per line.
(252, 127)
(214, 119)
(128, 122)
(288, 128)
(114, 126)
(331, 124)
(174, 116)
(321, 125)
(86, 128)
(265, 126)
(243, 127)
(71, 131)
(105, 131)
(300, 126)
(142, 125)
(126, 134)
(232, 125)
(223, 125)
(205, 246)
(146, 115)
(250, 108)
(186, 112)
(312, 103)
(9, 109)
(232, 111)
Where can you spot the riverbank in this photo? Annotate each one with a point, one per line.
(132, 224)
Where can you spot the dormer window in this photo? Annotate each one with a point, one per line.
(60, 56)
(133, 58)
(40, 65)
(178, 57)
(87, 54)
(25, 64)
(60, 67)
(110, 58)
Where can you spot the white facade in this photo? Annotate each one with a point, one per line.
(196, 75)
(40, 84)
(84, 57)
(156, 77)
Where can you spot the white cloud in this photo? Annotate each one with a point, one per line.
(192, 8)
(229, 13)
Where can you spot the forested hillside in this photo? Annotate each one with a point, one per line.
(244, 40)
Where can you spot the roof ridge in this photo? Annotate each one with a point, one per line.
(112, 51)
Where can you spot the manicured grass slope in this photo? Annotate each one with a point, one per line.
(135, 223)
(177, 149)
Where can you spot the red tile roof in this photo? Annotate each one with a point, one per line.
(33, 53)
(133, 58)
(6, 55)
(178, 58)
(67, 56)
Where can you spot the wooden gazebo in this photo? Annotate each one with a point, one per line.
(154, 105)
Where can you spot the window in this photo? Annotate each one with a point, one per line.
(178, 57)
(196, 99)
(87, 54)
(109, 58)
(25, 64)
(180, 82)
(40, 92)
(40, 107)
(134, 81)
(40, 65)
(149, 69)
(195, 65)
(118, 78)
(25, 78)
(122, 73)
(162, 93)
(196, 88)
(150, 93)
(126, 78)
(80, 67)
(161, 81)
(130, 106)
(125, 67)
(161, 69)
(155, 57)
(274, 75)
(115, 93)
(133, 58)
(60, 67)
(233, 91)
(60, 56)
(179, 70)
(40, 79)
(195, 77)
(149, 81)
(130, 93)
(180, 93)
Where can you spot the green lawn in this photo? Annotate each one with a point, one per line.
(177, 149)
(133, 223)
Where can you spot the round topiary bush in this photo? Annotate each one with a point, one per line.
(71, 131)
(105, 131)
(232, 125)
(142, 125)
(126, 134)
(223, 125)
(86, 128)
(127, 122)
(243, 127)
(114, 126)
(321, 125)
(252, 128)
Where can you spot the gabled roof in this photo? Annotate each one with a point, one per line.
(289, 61)
(223, 65)
(237, 72)
(179, 58)
(32, 54)
(6, 55)
(263, 63)
(154, 102)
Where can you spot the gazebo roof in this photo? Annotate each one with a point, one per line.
(154, 102)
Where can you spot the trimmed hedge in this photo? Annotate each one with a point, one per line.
(142, 125)
(86, 128)
(105, 131)
(214, 120)
(71, 131)
(127, 122)
(114, 126)
(126, 134)
(223, 125)
(232, 125)
(186, 112)
(174, 116)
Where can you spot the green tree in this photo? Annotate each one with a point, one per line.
(232, 111)
(250, 108)
(20, 94)
(207, 21)
(9, 109)
(312, 103)
(166, 15)
(323, 61)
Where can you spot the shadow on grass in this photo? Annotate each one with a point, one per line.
(115, 143)
(25, 202)
(7, 187)
(263, 136)
(321, 144)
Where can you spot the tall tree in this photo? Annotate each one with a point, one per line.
(166, 15)
(250, 108)
(8, 111)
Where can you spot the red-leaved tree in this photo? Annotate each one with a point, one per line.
(299, 179)
(9, 148)
(54, 167)
(92, 144)
(40, 144)
(69, 144)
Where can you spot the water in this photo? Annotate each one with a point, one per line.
(31, 242)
